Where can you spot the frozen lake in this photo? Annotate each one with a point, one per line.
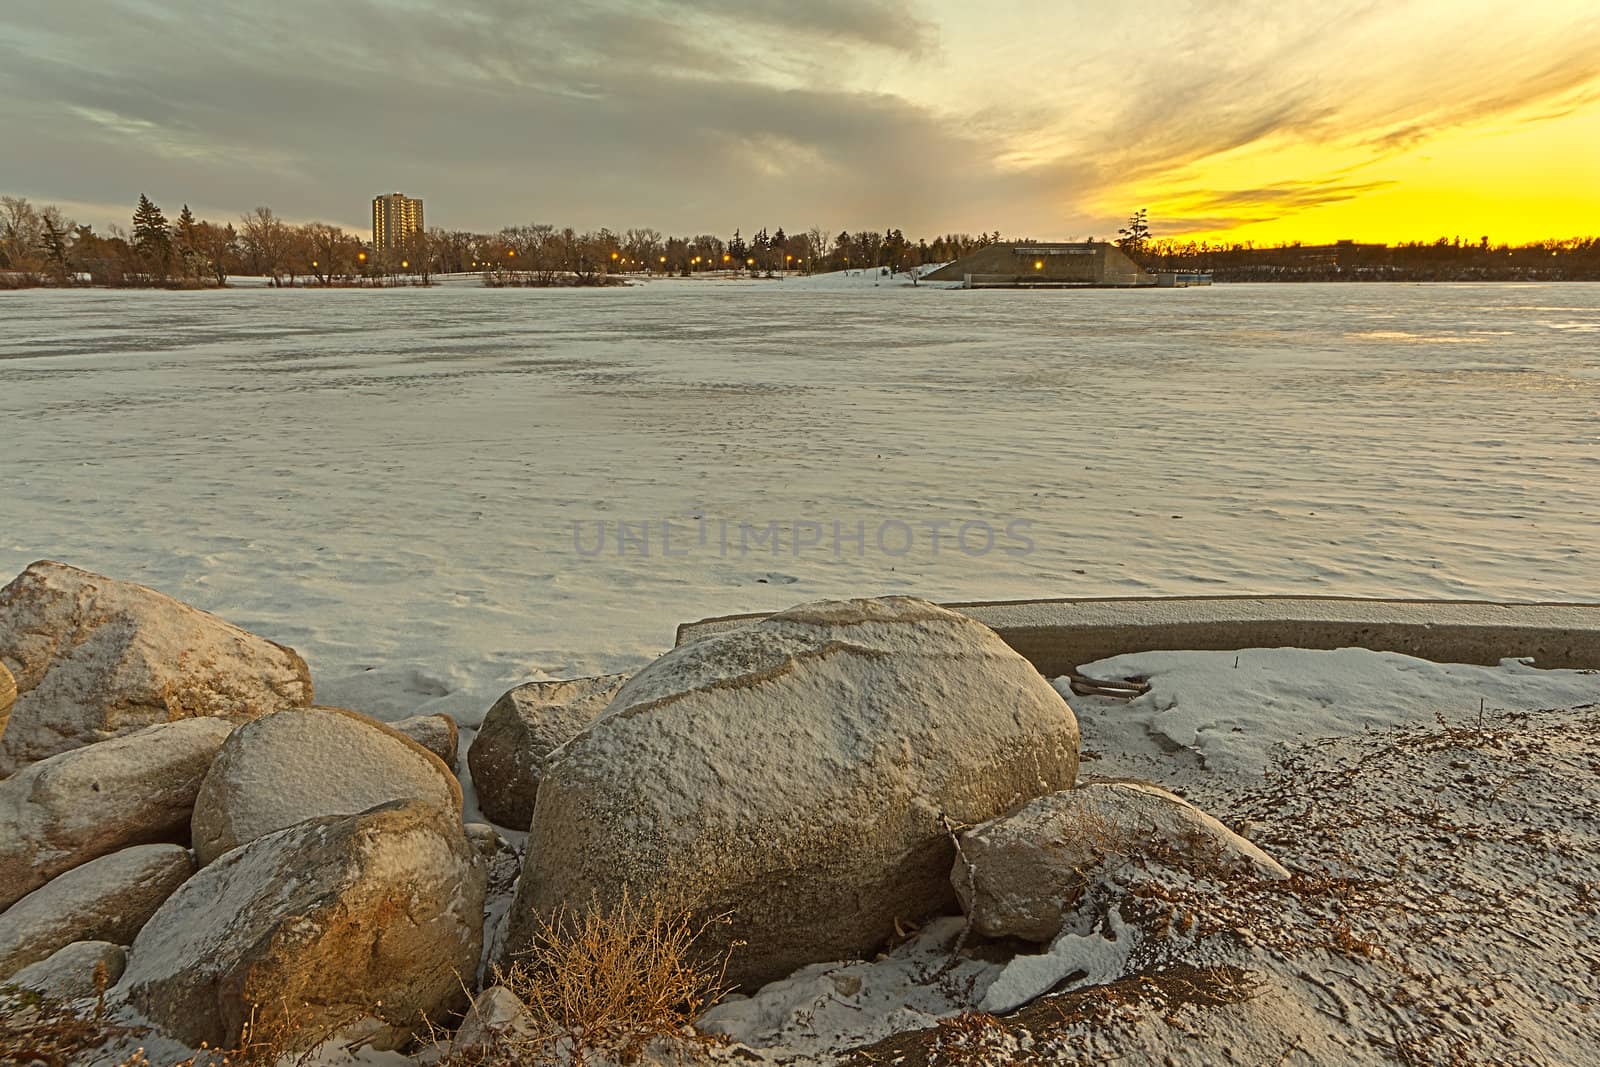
(422, 490)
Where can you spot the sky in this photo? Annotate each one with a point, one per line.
(1242, 120)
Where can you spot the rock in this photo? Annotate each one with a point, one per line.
(1022, 874)
(796, 775)
(69, 973)
(316, 927)
(89, 802)
(295, 765)
(501, 864)
(495, 1018)
(436, 733)
(524, 726)
(96, 658)
(499, 858)
(8, 696)
(107, 899)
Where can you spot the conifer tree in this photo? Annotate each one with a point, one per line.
(53, 234)
(186, 238)
(152, 236)
(185, 229)
(1135, 236)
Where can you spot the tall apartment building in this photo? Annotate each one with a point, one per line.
(394, 218)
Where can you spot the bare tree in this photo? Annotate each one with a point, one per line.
(217, 249)
(266, 243)
(20, 229)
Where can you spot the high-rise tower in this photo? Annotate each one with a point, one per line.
(394, 218)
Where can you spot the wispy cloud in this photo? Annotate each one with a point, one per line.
(697, 114)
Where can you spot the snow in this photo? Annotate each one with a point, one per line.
(826, 1008)
(869, 278)
(1101, 956)
(388, 480)
(1221, 714)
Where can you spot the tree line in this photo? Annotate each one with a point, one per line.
(1441, 260)
(1445, 259)
(39, 245)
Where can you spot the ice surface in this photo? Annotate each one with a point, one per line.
(389, 480)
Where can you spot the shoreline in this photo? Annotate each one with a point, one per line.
(1285, 759)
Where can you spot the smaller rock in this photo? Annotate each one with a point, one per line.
(330, 923)
(436, 733)
(524, 726)
(1021, 875)
(496, 1017)
(69, 973)
(300, 764)
(107, 899)
(78, 805)
(499, 857)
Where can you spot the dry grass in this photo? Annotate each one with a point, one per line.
(605, 983)
(37, 1030)
(258, 1046)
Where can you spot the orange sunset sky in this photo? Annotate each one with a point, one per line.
(1400, 120)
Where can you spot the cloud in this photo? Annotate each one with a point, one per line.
(1283, 197)
(709, 114)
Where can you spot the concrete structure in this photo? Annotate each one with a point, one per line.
(1034, 265)
(394, 219)
(1058, 636)
(1182, 279)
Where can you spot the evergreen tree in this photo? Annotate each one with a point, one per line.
(152, 236)
(53, 235)
(186, 239)
(185, 230)
(1135, 236)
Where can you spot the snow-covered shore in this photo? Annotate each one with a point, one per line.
(1405, 861)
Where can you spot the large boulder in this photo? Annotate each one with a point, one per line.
(73, 972)
(107, 899)
(96, 658)
(436, 733)
(73, 807)
(508, 756)
(8, 695)
(1023, 874)
(799, 776)
(373, 919)
(295, 765)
